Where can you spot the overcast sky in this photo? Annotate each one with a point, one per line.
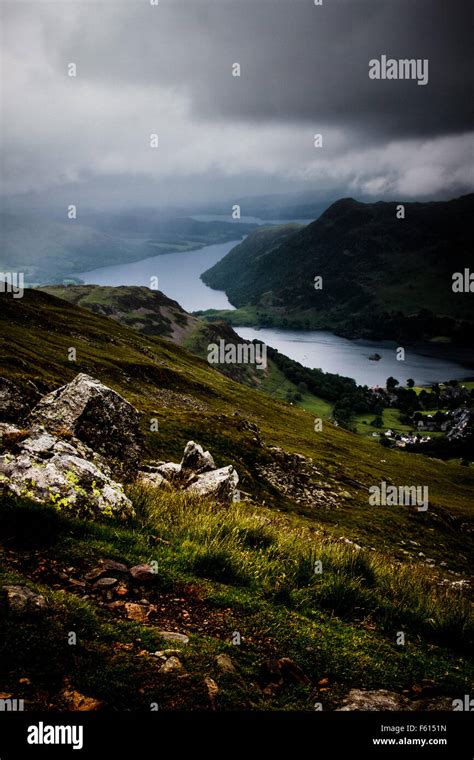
(143, 69)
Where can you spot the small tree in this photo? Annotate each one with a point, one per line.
(410, 382)
(391, 383)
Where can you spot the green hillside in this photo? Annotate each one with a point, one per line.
(153, 313)
(245, 567)
(193, 401)
(383, 277)
(148, 311)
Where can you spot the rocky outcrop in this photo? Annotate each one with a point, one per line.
(64, 474)
(195, 460)
(197, 473)
(297, 478)
(219, 484)
(96, 415)
(79, 439)
(24, 601)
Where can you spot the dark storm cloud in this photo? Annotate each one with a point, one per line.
(299, 62)
(304, 69)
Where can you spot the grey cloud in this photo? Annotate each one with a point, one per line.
(299, 61)
(304, 70)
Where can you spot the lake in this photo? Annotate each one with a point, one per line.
(179, 278)
(319, 349)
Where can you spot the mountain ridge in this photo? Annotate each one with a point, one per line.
(383, 277)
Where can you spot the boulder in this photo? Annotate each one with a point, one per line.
(170, 471)
(358, 699)
(96, 415)
(172, 665)
(143, 574)
(23, 600)
(219, 484)
(65, 476)
(225, 664)
(195, 460)
(153, 479)
(180, 638)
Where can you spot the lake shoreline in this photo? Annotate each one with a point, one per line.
(325, 350)
(179, 276)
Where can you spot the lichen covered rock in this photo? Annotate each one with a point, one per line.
(66, 475)
(96, 415)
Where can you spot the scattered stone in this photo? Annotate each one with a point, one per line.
(225, 663)
(23, 600)
(296, 477)
(381, 699)
(172, 665)
(219, 484)
(137, 612)
(212, 690)
(107, 567)
(143, 574)
(105, 584)
(197, 472)
(172, 636)
(195, 460)
(77, 702)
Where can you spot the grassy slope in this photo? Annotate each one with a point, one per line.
(145, 310)
(193, 401)
(342, 630)
(219, 571)
(153, 313)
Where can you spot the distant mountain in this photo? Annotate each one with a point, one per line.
(383, 277)
(49, 251)
(307, 205)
